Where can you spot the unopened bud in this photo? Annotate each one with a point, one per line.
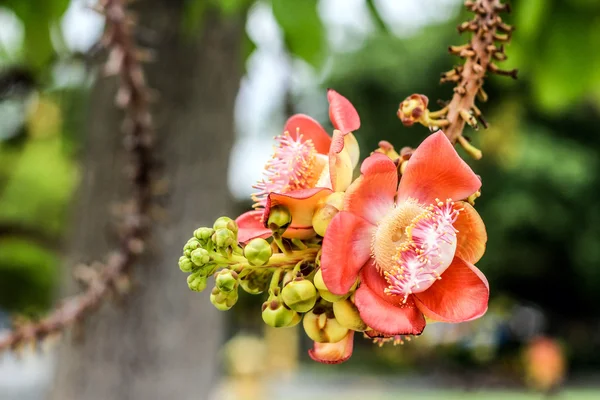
(258, 252)
(226, 280)
(185, 264)
(411, 110)
(203, 234)
(192, 244)
(300, 295)
(279, 219)
(197, 281)
(348, 316)
(295, 320)
(275, 314)
(226, 223)
(323, 329)
(223, 301)
(255, 282)
(200, 257)
(323, 291)
(223, 238)
(322, 217)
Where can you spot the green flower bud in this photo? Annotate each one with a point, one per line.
(197, 281)
(348, 316)
(203, 234)
(323, 291)
(223, 301)
(279, 219)
(226, 223)
(275, 314)
(322, 329)
(322, 217)
(187, 253)
(300, 295)
(226, 280)
(185, 264)
(295, 320)
(255, 282)
(200, 257)
(192, 244)
(223, 238)
(258, 252)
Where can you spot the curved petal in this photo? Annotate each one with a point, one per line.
(340, 163)
(306, 126)
(250, 226)
(371, 196)
(379, 313)
(300, 203)
(435, 170)
(351, 145)
(461, 295)
(342, 113)
(333, 353)
(346, 248)
(471, 236)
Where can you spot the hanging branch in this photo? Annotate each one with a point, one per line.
(133, 96)
(489, 34)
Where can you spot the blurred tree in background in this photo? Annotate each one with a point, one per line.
(540, 168)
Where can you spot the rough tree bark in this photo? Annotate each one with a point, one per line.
(162, 341)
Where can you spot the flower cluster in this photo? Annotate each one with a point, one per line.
(381, 254)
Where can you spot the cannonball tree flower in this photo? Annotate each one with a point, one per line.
(307, 166)
(412, 244)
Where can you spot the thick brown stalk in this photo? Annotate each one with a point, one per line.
(133, 96)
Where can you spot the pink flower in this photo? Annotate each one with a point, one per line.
(413, 252)
(333, 353)
(307, 166)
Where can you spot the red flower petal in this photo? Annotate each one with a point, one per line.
(435, 170)
(471, 234)
(371, 196)
(250, 226)
(309, 129)
(342, 113)
(461, 295)
(300, 203)
(378, 311)
(346, 248)
(333, 353)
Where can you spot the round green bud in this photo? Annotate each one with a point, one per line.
(221, 300)
(279, 219)
(348, 316)
(275, 314)
(226, 281)
(322, 329)
(300, 295)
(203, 233)
(200, 257)
(295, 320)
(185, 264)
(223, 238)
(192, 244)
(322, 217)
(225, 223)
(255, 282)
(197, 281)
(187, 253)
(323, 291)
(258, 252)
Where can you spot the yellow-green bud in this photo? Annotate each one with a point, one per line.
(255, 282)
(185, 264)
(275, 314)
(203, 234)
(295, 320)
(226, 280)
(322, 329)
(223, 301)
(197, 281)
(192, 244)
(322, 217)
(223, 238)
(323, 291)
(258, 252)
(279, 219)
(200, 257)
(348, 316)
(300, 295)
(226, 223)
(187, 253)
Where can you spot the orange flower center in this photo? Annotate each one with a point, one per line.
(295, 165)
(414, 245)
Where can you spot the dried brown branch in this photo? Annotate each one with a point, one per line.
(488, 30)
(133, 96)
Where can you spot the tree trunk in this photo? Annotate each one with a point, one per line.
(162, 341)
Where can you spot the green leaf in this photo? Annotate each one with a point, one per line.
(302, 28)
